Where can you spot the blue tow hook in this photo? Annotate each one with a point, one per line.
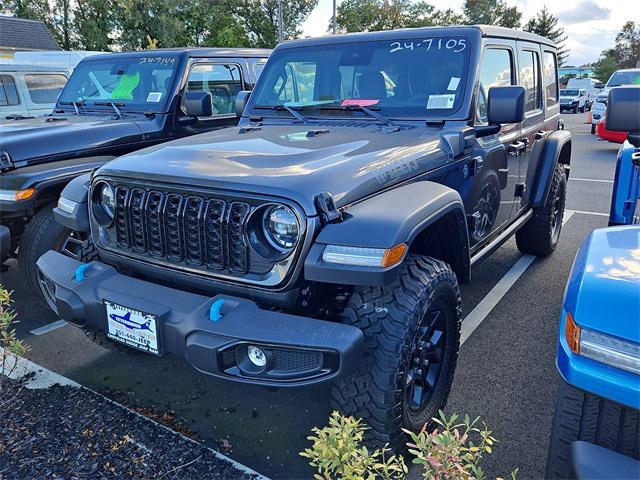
(80, 272)
(214, 312)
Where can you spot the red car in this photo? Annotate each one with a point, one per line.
(609, 135)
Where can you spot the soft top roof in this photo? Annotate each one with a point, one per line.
(190, 52)
(482, 30)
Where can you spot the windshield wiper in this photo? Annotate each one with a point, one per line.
(282, 107)
(361, 108)
(114, 106)
(76, 105)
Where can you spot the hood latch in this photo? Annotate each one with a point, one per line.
(326, 208)
(5, 162)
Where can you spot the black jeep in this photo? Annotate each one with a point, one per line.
(323, 239)
(111, 105)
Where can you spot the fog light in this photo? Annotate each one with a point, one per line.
(257, 356)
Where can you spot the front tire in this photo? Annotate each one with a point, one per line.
(42, 234)
(583, 416)
(539, 236)
(412, 332)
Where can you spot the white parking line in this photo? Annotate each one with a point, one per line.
(571, 179)
(49, 327)
(585, 212)
(500, 289)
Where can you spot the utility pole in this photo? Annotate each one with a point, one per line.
(335, 21)
(280, 19)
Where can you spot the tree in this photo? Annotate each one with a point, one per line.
(545, 24)
(492, 12)
(260, 19)
(93, 23)
(29, 9)
(625, 54)
(605, 66)
(375, 15)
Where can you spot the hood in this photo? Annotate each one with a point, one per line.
(36, 140)
(603, 290)
(293, 161)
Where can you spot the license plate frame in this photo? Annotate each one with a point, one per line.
(132, 327)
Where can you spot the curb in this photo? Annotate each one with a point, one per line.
(42, 378)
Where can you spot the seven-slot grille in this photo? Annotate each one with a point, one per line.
(195, 230)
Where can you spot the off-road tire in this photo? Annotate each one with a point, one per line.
(593, 128)
(389, 317)
(583, 416)
(575, 109)
(42, 234)
(539, 236)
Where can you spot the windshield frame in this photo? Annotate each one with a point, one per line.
(474, 43)
(103, 105)
(632, 72)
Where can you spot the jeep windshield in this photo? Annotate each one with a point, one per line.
(624, 78)
(407, 79)
(135, 83)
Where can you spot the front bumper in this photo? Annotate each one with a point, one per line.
(593, 462)
(302, 351)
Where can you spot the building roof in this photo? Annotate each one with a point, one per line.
(21, 34)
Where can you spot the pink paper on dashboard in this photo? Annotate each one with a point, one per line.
(359, 101)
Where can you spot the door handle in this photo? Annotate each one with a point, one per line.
(517, 148)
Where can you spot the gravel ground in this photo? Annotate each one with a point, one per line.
(66, 432)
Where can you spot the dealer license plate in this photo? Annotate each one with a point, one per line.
(132, 327)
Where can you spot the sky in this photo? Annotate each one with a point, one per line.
(590, 25)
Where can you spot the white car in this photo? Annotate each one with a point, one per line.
(630, 76)
(573, 99)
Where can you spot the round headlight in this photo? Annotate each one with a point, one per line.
(281, 227)
(107, 199)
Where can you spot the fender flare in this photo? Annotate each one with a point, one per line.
(77, 193)
(383, 221)
(543, 162)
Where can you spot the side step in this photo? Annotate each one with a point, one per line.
(493, 245)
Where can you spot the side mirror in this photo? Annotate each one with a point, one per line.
(504, 105)
(599, 85)
(623, 112)
(241, 101)
(197, 104)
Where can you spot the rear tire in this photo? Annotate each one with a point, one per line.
(540, 234)
(593, 128)
(583, 416)
(412, 333)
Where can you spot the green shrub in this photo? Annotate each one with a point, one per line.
(8, 340)
(451, 450)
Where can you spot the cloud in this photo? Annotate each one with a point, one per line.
(585, 11)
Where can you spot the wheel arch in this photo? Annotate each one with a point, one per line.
(555, 150)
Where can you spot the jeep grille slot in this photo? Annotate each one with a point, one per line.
(179, 228)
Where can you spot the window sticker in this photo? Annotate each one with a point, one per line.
(154, 97)
(441, 101)
(453, 83)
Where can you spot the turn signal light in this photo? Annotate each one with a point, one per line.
(25, 194)
(393, 255)
(572, 334)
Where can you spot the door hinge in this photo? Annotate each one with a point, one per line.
(326, 208)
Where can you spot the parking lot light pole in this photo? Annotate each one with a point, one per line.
(280, 21)
(334, 16)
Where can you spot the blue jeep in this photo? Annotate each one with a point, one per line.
(596, 427)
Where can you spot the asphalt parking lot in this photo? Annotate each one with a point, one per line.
(505, 374)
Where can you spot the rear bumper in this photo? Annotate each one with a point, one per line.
(593, 462)
(300, 350)
(5, 243)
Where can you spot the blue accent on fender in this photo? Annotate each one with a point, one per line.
(214, 311)
(80, 276)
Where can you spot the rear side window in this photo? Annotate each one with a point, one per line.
(496, 71)
(8, 91)
(45, 88)
(223, 81)
(530, 80)
(550, 75)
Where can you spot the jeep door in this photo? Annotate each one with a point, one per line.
(223, 79)
(542, 111)
(491, 199)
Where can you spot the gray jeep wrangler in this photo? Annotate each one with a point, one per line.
(323, 239)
